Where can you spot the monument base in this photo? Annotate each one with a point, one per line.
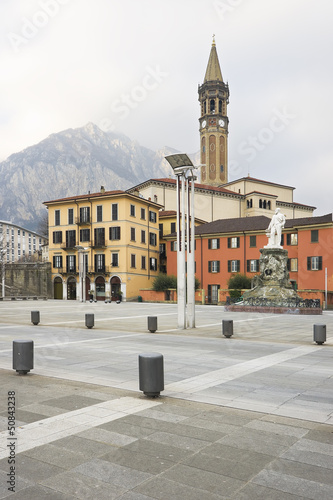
(272, 291)
(274, 310)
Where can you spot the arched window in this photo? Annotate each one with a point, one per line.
(212, 106)
(269, 205)
(260, 203)
(264, 204)
(205, 108)
(220, 106)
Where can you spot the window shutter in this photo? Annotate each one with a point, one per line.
(248, 266)
(229, 266)
(257, 265)
(238, 242)
(229, 242)
(309, 264)
(209, 244)
(320, 263)
(67, 262)
(209, 266)
(218, 266)
(288, 239)
(238, 266)
(218, 242)
(288, 264)
(53, 260)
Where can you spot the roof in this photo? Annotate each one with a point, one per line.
(167, 213)
(253, 179)
(213, 71)
(104, 194)
(256, 223)
(198, 186)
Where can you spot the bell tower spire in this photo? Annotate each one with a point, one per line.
(214, 98)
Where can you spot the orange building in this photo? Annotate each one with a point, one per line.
(228, 246)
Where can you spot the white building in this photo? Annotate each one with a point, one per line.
(18, 243)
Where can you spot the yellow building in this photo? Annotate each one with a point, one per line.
(103, 245)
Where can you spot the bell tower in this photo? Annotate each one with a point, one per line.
(214, 98)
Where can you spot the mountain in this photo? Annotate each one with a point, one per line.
(74, 161)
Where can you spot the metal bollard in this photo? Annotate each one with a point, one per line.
(152, 323)
(227, 327)
(23, 356)
(151, 374)
(319, 334)
(35, 317)
(90, 320)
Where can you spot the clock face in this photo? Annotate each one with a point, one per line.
(203, 124)
(221, 123)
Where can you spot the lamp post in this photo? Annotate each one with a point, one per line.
(82, 272)
(183, 169)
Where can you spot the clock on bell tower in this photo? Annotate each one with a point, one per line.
(214, 98)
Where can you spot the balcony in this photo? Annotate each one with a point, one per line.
(98, 270)
(69, 245)
(99, 243)
(70, 270)
(83, 221)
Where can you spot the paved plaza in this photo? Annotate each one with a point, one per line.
(246, 417)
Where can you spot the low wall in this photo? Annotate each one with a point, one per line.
(149, 295)
(28, 279)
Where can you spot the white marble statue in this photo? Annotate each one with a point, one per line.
(274, 230)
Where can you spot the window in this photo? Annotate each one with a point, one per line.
(173, 227)
(214, 243)
(152, 239)
(99, 213)
(114, 211)
(100, 263)
(292, 265)
(143, 236)
(57, 236)
(114, 233)
(143, 262)
(133, 260)
(70, 239)
(252, 266)
(213, 294)
(99, 237)
(153, 264)
(292, 239)
(314, 263)
(152, 216)
(314, 236)
(84, 215)
(57, 217)
(143, 213)
(160, 227)
(233, 266)
(253, 241)
(132, 233)
(173, 246)
(132, 210)
(114, 260)
(84, 234)
(233, 242)
(71, 263)
(214, 266)
(70, 216)
(57, 261)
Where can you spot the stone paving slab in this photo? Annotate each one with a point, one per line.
(251, 417)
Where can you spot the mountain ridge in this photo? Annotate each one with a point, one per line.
(73, 162)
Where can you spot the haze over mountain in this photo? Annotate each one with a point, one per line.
(74, 161)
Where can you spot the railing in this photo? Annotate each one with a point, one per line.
(80, 221)
(69, 245)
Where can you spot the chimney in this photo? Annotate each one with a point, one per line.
(102, 189)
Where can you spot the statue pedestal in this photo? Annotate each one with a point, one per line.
(272, 285)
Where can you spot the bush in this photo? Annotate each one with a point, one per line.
(239, 282)
(163, 282)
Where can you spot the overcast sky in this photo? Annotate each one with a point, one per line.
(134, 66)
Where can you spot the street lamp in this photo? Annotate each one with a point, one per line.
(82, 272)
(183, 169)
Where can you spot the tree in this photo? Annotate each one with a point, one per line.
(164, 282)
(237, 283)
